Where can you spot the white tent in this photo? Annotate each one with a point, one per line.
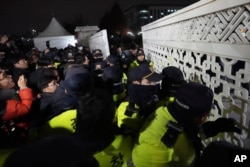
(55, 35)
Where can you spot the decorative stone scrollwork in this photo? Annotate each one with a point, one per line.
(190, 45)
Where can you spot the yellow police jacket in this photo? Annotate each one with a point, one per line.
(165, 101)
(132, 121)
(57, 64)
(135, 64)
(152, 152)
(64, 123)
(4, 153)
(124, 78)
(119, 97)
(117, 153)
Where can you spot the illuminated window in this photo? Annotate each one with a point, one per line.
(143, 11)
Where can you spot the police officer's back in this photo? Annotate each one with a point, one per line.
(172, 132)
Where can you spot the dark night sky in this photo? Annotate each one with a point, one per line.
(18, 16)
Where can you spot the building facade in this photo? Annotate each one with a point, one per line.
(140, 15)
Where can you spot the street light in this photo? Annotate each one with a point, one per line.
(34, 32)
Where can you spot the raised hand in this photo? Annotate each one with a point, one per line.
(22, 82)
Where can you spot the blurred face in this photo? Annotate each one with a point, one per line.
(133, 51)
(98, 57)
(145, 82)
(50, 66)
(35, 58)
(119, 50)
(46, 51)
(6, 81)
(57, 75)
(22, 64)
(141, 57)
(86, 60)
(4, 39)
(202, 119)
(51, 87)
(2, 55)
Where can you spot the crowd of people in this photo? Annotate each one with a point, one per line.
(72, 107)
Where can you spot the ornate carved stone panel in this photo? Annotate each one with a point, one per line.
(212, 49)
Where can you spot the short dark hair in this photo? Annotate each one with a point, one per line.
(12, 59)
(47, 76)
(80, 58)
(45, 61)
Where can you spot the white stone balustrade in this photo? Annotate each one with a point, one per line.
(210, 42)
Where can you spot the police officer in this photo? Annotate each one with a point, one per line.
(140, 59)
(113, 78)
(142, 98)
(97, 67)
(64, 102)
(96, 129)
(173, 78)
(171, 133)
(128, 56)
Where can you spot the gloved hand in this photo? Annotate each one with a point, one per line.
(212, 128)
